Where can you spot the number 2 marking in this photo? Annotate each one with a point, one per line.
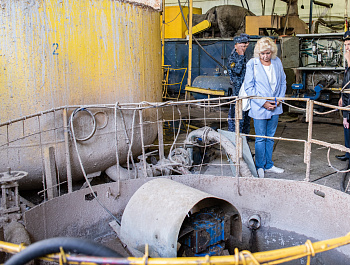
(55, 48)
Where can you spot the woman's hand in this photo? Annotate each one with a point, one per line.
(269, 105)
(345, 123)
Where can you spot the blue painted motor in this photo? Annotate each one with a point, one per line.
(316, 91)
(216, 82)
(313, 96)
(205, 232)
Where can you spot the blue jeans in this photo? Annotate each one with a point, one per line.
(264, 146)
(244, 123)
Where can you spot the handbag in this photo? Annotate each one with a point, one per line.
(242, 94)
(246, 101)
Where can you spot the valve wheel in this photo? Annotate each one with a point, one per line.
(12, 176)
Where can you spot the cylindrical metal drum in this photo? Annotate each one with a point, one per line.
(157, 210)
(213, 83)
(60, 53)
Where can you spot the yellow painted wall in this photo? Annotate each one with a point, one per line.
(55, 53)
(175, 26)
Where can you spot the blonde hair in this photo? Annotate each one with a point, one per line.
(265, 44)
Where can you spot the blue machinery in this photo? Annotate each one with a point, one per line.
(176, 55)
(315, 94)
(321, 63)
(205, 232)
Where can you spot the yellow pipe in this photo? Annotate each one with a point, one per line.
(10, 247)
(206, 91)
(205, 24)
(190, 44)
(163, 30)
(244, 257)
(346, 16)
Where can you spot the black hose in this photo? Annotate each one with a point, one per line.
(221, 65)
(52, 245)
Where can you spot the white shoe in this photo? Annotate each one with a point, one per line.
(275, 170)
(261, 173)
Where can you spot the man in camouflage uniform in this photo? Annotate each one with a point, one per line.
(236, 68)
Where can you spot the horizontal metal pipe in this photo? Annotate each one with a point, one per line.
(323, 4)
(143, 105)
(277, 138)
(334, 146)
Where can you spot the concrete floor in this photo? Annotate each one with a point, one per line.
(287, 154)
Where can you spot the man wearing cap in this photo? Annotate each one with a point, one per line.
(345, 97)
(236, 68)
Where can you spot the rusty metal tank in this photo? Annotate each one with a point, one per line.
(74, 53)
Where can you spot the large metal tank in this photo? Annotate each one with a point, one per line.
(60, 53)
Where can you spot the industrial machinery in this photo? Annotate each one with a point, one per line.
(204, 213)
(315, 93)
(211, 74)
(178, 220)
(205, 232)
(320, 72)
(321, 51)
(261, 208)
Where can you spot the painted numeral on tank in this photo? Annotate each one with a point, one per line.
(55, 48)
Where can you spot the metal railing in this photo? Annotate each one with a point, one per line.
(172, 120)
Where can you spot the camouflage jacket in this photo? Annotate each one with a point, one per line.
(236, 70)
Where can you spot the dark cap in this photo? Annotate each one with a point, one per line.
(243, 38)
(346, 35)
(237, 39)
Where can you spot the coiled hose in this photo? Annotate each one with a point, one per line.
(52, 245)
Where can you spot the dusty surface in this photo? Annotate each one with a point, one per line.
(257, 195)
(287, 154)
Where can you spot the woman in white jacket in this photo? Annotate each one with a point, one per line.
(265, 77)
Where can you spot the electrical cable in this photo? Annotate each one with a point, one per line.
(176, 16)
(83, 170)
(94, 124)
(130, 147)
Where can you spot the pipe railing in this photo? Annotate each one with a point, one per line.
(161, 119)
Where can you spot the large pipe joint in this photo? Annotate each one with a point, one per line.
(177, 220)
